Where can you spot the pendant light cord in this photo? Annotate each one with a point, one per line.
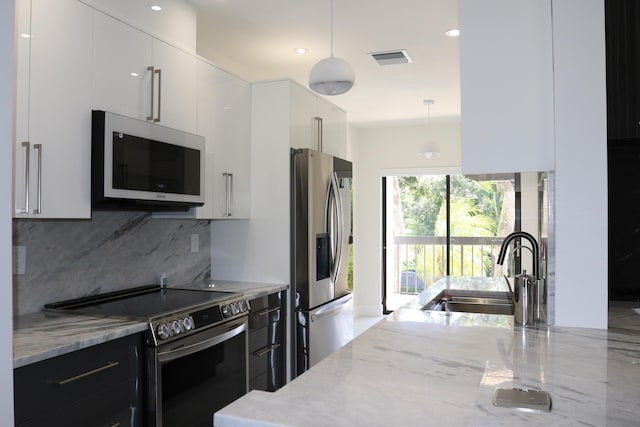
(332, 28)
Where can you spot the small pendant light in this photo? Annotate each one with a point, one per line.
(429, 149)
(331, 76)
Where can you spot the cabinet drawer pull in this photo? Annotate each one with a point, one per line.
(266, 311)
(266, 350)
(115, 425)
(86, 374)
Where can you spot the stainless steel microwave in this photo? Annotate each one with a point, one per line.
(140, 165)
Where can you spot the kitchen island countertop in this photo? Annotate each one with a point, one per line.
(415, 368)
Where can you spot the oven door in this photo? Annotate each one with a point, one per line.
(191, 378)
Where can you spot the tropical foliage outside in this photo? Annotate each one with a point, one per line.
(477, 209)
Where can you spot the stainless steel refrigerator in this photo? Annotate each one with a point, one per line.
(321, 240)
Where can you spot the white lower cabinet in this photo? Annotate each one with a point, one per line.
(52, 168)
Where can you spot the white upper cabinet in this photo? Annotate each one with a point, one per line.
(224, 119)
(121, 57)
(506, 86)
(316, 123)
(141, 77)
(175, 87)
(53, 110)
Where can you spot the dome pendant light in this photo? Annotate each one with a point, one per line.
(331, 76)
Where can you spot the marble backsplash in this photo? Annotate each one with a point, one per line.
(112, 251)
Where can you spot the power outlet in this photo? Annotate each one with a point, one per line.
(195, 243)
(19, 260)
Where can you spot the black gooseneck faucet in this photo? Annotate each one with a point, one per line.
(534, 245)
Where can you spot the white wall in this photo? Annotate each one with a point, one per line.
(581, 163)
(376, 151)
(7, 13)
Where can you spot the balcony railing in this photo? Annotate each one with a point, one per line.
(421, 260)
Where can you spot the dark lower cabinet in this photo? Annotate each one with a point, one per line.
(96, 386)
(267, 343)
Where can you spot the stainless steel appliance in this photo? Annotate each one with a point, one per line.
(320, 247)
(196, 348)
(137, 164)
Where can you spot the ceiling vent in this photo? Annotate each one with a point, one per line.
(391, 57)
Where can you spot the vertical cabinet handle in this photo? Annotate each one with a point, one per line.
(153, 74)
(38, 208)
(320, 133)
(155, 71)
(27, 155)
(228, 183)
(319, 141)
(159, 72)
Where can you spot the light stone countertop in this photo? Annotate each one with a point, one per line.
(413, 369)
(43, 335)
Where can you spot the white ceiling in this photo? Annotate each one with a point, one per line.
(255, 39)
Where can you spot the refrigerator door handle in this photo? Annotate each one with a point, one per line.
(331, 309)
(336, 233)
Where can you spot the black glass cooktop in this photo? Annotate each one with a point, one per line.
(141, 303)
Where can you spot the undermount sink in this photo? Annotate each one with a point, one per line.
(467, 301)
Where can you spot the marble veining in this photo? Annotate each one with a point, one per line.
(40, 336)
(439, 369)
(113, 250)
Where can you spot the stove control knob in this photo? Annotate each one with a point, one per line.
(227, 310)
(163, 331)
(187, 324)
(175, 327)
(244, 306)
(236, 308)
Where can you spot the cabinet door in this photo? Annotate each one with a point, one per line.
(233, 149)
(175, 87)
(507, 86)
(121, 56)
(224, 118)
(329, 139)
(59, 112)
(303, 122)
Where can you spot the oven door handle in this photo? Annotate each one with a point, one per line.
(185, 350)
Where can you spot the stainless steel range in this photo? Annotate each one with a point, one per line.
(197, 348)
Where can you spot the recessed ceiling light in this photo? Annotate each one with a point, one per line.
(25, 36)
(134, 74)
(156, 8)
(301, 50)
(454, 32)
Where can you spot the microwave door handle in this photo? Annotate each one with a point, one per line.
(159, 72)
(152, 69)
